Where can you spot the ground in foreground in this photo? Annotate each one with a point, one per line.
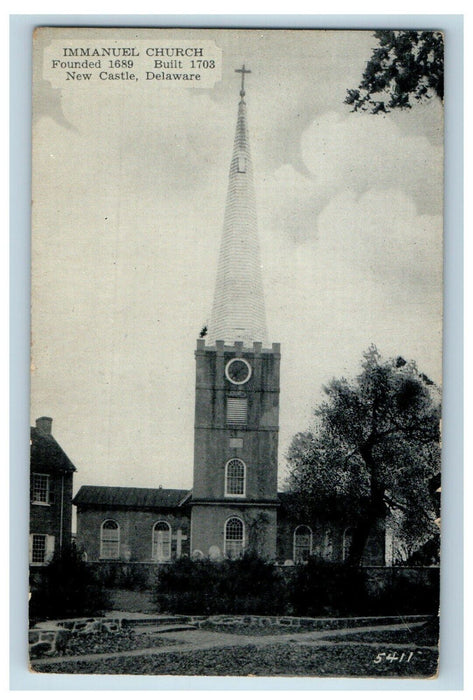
(346, 659)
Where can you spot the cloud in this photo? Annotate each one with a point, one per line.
(355, 153)
(360, 150)
(373, 263)
(369, 273)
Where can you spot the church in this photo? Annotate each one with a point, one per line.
(234, 504)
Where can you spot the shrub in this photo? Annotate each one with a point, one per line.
(321, 588)
(335, 589)
(408, 595)
(65, 588)
(248, 585)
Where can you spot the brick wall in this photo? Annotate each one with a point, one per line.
(136, 528)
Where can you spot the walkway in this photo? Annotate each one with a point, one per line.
(205, 639)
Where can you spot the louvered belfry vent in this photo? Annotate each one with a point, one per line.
(237, 410)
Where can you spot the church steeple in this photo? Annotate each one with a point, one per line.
(238, 312)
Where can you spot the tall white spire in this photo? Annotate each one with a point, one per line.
(238, 310)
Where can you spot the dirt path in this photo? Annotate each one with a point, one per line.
(204, 639)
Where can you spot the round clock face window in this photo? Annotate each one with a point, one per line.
(238, 371)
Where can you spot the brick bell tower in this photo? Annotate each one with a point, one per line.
(234, 497)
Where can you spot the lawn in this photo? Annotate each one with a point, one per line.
(109, 642)
(425, 635)
(288, 659)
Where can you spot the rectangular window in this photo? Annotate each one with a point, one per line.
(40, 488)
(38, 549)
(237, 410)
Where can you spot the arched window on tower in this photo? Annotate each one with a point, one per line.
(110, 540)
(234, 538)
(302, 543)
(235, 477)
(161, 550)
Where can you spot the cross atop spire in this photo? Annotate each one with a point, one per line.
(242, 70)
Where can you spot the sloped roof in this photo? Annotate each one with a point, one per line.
(129, 497)
(47, 454)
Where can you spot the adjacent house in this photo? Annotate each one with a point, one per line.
(51, 474)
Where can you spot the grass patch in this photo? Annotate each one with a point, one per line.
(250, 630)
(388, 637)
(109, 642)
(332, 660)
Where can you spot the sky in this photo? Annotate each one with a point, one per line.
(129, 192)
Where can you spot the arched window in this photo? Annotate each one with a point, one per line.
(346, 544)
(235, 473)
(161, 541)
(234, 537)
(110, 540)
(302, 543)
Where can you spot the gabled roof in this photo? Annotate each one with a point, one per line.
(129, 497)
(47, 455)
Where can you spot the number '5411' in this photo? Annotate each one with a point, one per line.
(393, 656)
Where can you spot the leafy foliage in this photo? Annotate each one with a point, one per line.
(66, 588)
(405, 66)
(375, 447)
(324, 588)
(248, 585)
(321, 588)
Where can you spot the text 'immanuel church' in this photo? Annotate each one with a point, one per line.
(234, 504)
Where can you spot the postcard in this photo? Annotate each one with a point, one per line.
(236, 358)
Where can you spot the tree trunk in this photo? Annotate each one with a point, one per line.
(375, 509)
(358, 543)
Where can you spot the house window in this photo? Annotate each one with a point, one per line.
(302, 543)
(38, 549)
(40, 491)
(161, 542)
(110, 540)
(347, 540)
(234, 538)
(235, 478)
(237, 409)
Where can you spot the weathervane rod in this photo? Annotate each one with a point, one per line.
(242, 70)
